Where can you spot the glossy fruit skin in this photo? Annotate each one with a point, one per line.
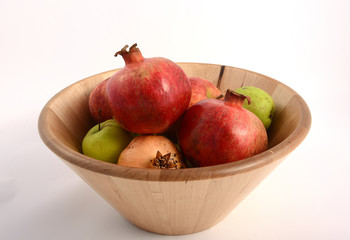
(149, 94)
(202, 89)
(98, 102)
(106, 141)
(220, 131)
(143, 149)
(262, 104)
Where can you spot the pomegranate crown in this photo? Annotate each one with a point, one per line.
(124, 50)
(232, 96)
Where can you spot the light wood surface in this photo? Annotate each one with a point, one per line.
(183, 201)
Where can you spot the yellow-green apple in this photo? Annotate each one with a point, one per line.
(262, 104)
(98, 104)
(202, 89)
(105, 141)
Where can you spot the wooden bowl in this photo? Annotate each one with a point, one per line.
(174, 202)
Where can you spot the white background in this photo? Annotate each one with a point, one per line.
(47, 45)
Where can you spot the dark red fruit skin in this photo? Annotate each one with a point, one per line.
(148, 95)
(98, 100)
(216, 132)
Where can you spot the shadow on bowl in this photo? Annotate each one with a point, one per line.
(174, 202)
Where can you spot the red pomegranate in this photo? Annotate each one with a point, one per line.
(221, 131)
(98, 104)
(149, 94)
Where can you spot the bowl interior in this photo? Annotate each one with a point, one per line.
(65, 120)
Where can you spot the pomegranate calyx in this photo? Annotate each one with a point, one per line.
(132, 56)
(167, 161)
(133, 48)
(124, 50)
(232, 96)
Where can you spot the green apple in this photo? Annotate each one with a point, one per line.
(261, 105)
(106, 141)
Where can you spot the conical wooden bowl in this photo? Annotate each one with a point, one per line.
(174, 202)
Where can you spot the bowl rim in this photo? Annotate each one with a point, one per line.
(269, 156)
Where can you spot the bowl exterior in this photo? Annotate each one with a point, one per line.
(174, 202)
(175, 207)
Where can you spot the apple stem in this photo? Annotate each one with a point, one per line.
(99, 119)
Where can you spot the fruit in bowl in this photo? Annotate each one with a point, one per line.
(151, 151)
(182, 201)
(262, 104)
(216, 132)
(154, 95)
(148, 95)
(98, 103)
(105, 141)
(202, 89)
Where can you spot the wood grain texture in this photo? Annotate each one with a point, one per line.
(181, 201)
